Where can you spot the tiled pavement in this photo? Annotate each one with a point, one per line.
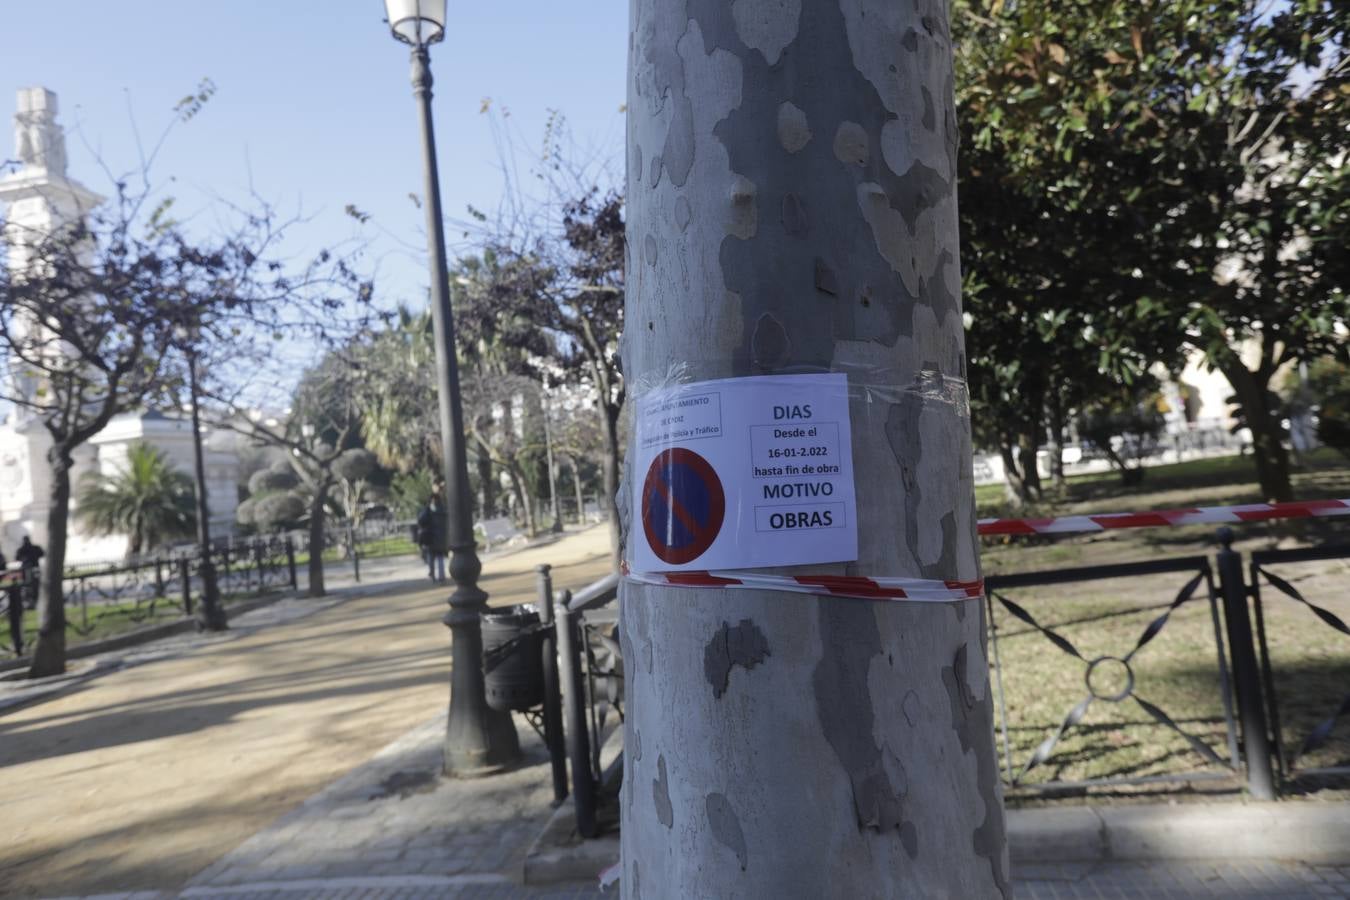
(1099, 881)
(393, 830)
(1239, 880)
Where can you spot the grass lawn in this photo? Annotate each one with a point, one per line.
(1177, 671)
(103, 620)
(395, 545)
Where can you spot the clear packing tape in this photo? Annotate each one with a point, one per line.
(729, 478)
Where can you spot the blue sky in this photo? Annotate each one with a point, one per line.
(313, 101)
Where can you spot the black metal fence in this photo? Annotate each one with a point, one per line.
(1226, 723)
(1110, 678)
(1296, 755)
(150, 589)
(1226, 728)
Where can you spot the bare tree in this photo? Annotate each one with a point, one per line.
(93, 319)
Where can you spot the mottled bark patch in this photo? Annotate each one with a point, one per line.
(661, 81)
(825, 279)
(654, 175)
(682, 213)
(665, 813)
(767, 25)
(850, 639)
(825, 186)
(911, 708)
(649, 250)
(743, 216)
(971, 720)
(794, 216)
(744, 645)
(794, 132)
(769, 344)
(726, 827)
(909, 839)
(906, 442)
(850, 144)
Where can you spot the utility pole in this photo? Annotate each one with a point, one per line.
(791, 206)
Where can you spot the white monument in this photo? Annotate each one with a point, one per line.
(37, 198)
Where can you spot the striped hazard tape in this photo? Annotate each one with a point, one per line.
(1203, 515)
(920, 589)
(933, 591)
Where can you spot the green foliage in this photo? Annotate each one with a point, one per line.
(1329, 381)
(273, 512)
(148, 500)
(1125, 425)
(355, 464)
(409, 492)
(276, 477)
(1140, 178)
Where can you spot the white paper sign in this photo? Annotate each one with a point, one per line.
(742, 473)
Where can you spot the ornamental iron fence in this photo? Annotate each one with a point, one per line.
(1112, 679)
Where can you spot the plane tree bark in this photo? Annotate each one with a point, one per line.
(792, 208)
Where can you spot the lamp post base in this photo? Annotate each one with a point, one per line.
(479, 740)
(463, 762)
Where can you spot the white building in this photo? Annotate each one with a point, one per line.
(37, 198)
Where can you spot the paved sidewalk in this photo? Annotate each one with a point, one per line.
(141, 778)
(393, 829)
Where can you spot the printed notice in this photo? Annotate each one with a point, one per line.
(742, 473)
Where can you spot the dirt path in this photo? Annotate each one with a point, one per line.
(144, 777)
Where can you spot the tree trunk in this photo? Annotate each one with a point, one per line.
(610, 468)
(1014, 486)
(316, 520)
(49, 652)
(1057, 441)
(1031, 473)
(576, 488)
(522, 497)
(792, 208)
(1268, 451)
(487, 484)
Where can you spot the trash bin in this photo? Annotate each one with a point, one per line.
(513, 665)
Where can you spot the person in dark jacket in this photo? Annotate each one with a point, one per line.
(28, 556)
(431, 537)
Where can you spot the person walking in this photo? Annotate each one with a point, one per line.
(29, 555)
(431, 535)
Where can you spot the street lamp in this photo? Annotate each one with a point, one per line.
(478, 738)
(210, 612)
(548, 445)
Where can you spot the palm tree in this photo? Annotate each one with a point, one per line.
(150, 501)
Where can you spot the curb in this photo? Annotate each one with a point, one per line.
(1308, 832)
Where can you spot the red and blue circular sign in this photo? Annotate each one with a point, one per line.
(683, 506)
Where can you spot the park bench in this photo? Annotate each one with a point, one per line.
(500, 531)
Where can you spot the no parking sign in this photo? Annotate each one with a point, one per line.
(683, 506)
(744, 473)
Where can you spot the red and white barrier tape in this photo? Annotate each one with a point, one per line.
(932, 591)
(920, 589)
(1204, 515)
